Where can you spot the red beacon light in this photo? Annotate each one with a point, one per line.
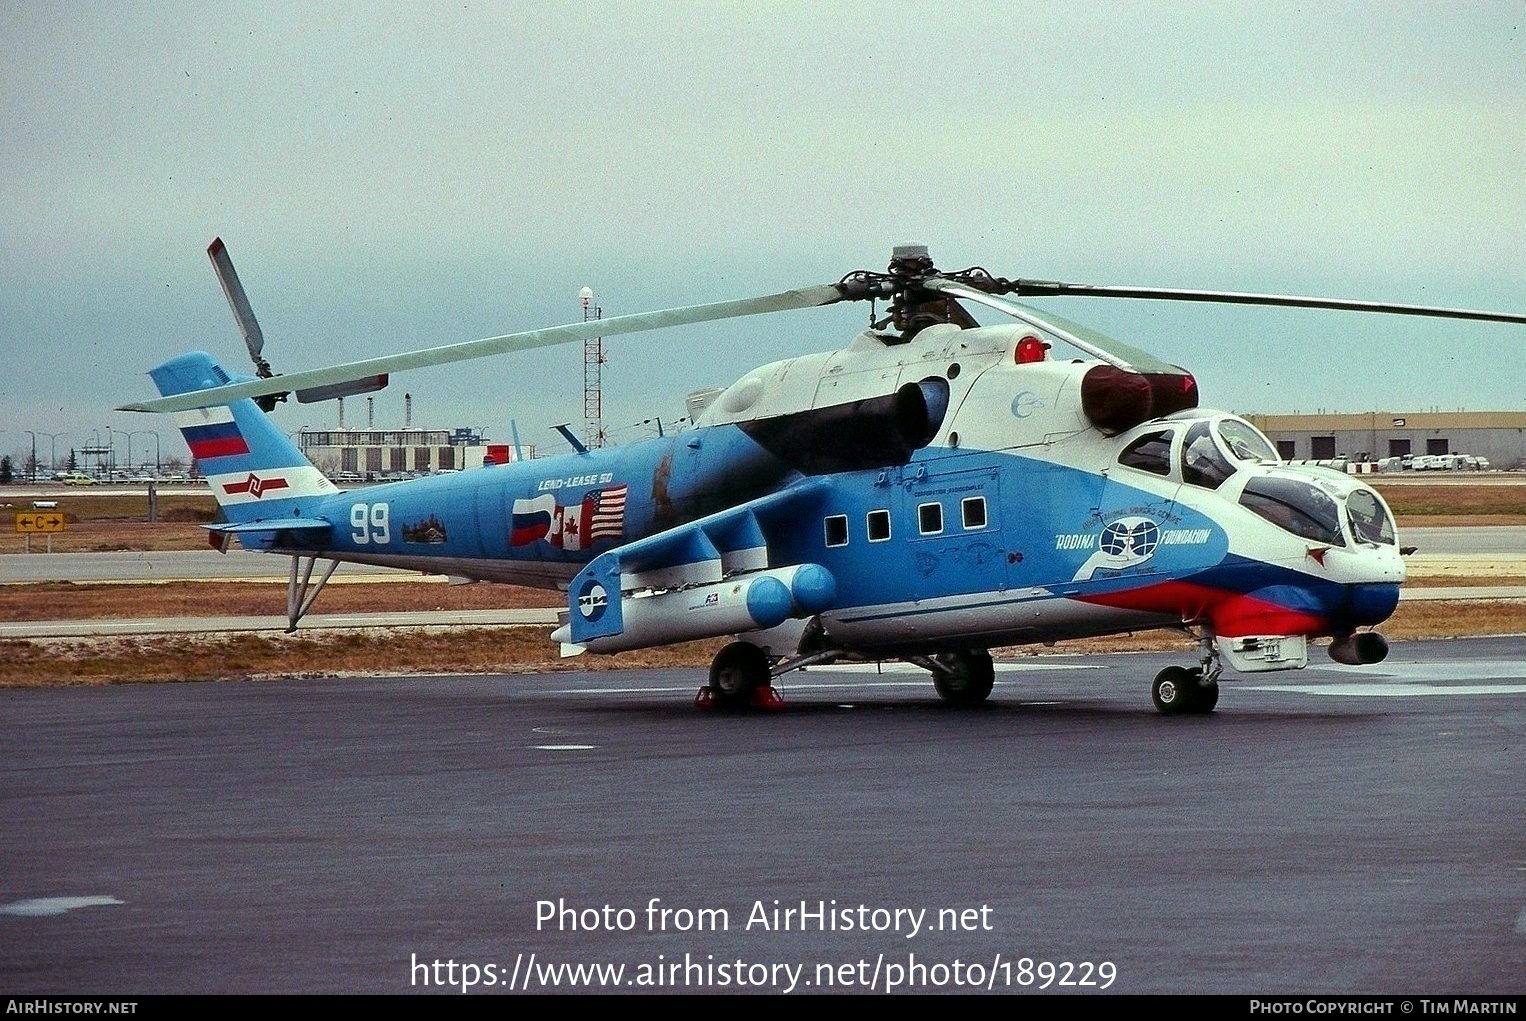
(1030, 349)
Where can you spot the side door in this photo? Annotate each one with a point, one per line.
(953, 529)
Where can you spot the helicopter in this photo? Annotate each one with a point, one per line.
(933, 490)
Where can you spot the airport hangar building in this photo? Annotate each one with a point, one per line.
(1370, 435)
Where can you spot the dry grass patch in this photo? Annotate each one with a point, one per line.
(1464, 500)
(160, 658)
(1446, 578)
(70, 601)
(108, 537)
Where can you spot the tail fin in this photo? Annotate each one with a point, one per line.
(254, 470)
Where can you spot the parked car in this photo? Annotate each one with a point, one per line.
(77, 478)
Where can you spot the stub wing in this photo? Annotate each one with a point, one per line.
(711, 577)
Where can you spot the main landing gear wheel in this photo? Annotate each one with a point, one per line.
(1179, 690)
(736, 673)
(967, 679)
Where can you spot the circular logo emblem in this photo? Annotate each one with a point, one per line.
(1130, 539)
(1026, 403)
(592, 601)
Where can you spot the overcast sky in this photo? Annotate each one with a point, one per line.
(397, 176)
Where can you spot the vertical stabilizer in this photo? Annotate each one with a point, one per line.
(253, 468)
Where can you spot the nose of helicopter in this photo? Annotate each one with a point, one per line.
(1371, 592)
(1369, 603)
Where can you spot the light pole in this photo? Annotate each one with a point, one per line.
(96, 448)
(143, 432)
(124, 432)
(52, 450)
(32, 474)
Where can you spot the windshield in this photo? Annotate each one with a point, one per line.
(1295, 506)
(1369, 518)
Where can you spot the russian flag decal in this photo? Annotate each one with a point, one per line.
(211, 432)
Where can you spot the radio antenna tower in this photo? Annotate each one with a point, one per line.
(593, 360)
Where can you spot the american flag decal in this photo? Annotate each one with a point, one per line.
(604, 511)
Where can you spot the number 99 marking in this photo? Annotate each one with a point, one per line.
(371, 523)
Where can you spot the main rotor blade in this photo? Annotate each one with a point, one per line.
(254, 339)
(805, 297)
(1098, 345)
(1042, 288)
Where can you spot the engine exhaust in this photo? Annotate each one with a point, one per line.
(1360, 650)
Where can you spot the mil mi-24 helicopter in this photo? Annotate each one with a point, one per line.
(935, 489)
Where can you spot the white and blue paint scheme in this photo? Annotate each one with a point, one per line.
(936, 489)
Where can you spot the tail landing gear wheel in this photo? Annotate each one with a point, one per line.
(736, 672)
(1179, 690)
(968, 679)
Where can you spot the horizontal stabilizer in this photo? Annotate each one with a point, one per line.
(274, 525)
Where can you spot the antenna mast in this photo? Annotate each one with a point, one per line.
(593, 360)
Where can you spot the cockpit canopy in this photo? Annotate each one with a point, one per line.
(1225, 453)
(1316, 507)
(1211, 451)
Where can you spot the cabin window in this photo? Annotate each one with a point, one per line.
(973, 510)
(879, 525)
(1247, 443)
(836, 528)
(1150, 453)
(930, 518)
(1202, 464)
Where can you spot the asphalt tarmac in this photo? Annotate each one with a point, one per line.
(1336, 830)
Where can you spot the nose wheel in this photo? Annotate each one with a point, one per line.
(1180, 690)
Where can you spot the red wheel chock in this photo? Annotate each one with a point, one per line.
(765, 696)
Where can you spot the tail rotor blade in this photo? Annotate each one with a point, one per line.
(239, 302)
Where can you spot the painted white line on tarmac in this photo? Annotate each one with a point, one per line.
(1408, 690)
(41, 907)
